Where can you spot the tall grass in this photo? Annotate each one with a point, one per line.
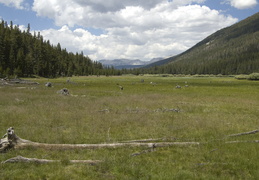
(98, 111)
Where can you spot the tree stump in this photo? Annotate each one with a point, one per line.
(64, 91)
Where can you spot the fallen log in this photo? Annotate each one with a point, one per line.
(7, 81)
(244, 133)
(97, 146)
(12, 141)
(232, 142)
(44, 161)
(143, 152)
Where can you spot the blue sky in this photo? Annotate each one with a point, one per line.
(131, 29)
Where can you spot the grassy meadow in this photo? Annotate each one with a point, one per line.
(98, 111)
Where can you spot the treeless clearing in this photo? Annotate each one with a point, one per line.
(210, 109)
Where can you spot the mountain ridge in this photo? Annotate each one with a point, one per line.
(127, 63)
(231, 50)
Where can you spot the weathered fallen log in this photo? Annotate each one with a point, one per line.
(232, 142)
(7, 81)
(12, 141)
(96, 146)
(44, 161)
(244, 133)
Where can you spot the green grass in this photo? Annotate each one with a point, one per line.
(99, 112)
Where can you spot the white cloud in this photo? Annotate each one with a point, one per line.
(243, 4)
(19, 4)
(133, 29)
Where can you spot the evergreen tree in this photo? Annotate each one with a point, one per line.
(24, 54)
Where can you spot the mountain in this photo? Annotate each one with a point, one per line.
(127, 63)
(232, 50)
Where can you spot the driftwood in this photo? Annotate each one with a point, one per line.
(7, 81)
(252, 141)
(12, 141)
(244, 133)
(44, 161)
(96, 146)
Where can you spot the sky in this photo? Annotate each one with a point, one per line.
(126, 29)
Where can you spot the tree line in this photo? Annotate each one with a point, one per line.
(24, 55)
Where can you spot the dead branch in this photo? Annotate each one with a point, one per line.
(143, 152)
(232, 142)
(44, 161)
(244, 133)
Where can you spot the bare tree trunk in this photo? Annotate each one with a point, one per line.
(96, 146)
(44, 161)
(11, 140)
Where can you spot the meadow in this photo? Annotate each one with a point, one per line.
(204, 109)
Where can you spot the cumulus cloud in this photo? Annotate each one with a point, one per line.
(99, 13)
(19, 4)
(243, 4)
(133, 29)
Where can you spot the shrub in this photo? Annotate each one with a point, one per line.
(241, 76)
(253, 76)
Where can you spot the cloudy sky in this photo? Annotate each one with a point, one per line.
(132, 29)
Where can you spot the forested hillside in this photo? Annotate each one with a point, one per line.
(23, 54)
(232, 50)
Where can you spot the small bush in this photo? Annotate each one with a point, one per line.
(253, 76)
(165, 75)
(241, 76)
(202, 75)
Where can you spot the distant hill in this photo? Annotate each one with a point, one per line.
(232, 50)
(127, 63)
